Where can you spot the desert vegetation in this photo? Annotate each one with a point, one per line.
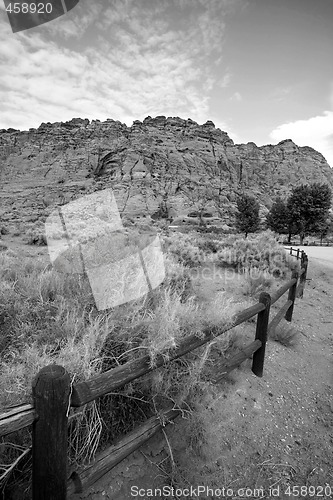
(50, 317)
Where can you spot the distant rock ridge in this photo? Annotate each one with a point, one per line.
(157, 167)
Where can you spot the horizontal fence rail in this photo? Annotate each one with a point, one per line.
(53, 395)
(78, 482)
(281, 291)
(116, 378)
(277, 318)
(16, 418)
(235, 361)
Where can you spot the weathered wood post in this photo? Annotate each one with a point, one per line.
(261, 334)
(51, 392)
(292, 296)
(297, 253)
(303, 276)
(291, 250)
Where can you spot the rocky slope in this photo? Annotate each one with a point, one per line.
(162, 166)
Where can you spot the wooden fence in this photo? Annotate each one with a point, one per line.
(53, 395)
(310, 242)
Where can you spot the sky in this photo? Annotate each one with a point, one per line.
(261, 70)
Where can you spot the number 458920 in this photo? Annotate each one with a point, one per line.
(309, 491)
(29, 8)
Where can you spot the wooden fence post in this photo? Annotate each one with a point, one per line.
(51, 392)
(297, 253)
(303, 276)
(261, 334)
(291, 296)
(291, 250)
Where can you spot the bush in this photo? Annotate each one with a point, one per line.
(209, 245)
(184, 248)
(212, 229)
(284, 333)
(178, 278)
(35, 235)
(262, 252)
(256, 282)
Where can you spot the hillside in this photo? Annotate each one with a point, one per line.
(169, 163)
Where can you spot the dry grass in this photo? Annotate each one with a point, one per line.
(50, 317)
(256, 282)
(184, 248)
(261, 251)
(285, 333)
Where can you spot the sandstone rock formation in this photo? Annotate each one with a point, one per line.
(161, 167)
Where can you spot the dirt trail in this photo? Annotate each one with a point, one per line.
(274, 431)
(319, 255)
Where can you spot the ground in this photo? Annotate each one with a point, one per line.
(270, 432)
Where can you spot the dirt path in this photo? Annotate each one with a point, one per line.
(271, 432)
(319, 255)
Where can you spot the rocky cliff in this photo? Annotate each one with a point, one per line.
(161, 167)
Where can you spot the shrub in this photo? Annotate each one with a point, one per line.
(209, 245)
(35, 235)
(183, 248)
(261, 251)
(178, 278)
(172, 323)
(285, 333)
(256, 282)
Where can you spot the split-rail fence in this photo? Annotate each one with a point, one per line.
(53, 395)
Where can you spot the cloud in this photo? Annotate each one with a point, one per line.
(236, 97)
(316, 132)
(122, 61)
(280, 93)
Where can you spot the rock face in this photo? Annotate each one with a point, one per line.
(158, 167)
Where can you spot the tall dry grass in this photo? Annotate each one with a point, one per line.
(50, 317)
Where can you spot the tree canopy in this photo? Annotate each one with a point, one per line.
(277, 217)
(308, 208)
(247, 215)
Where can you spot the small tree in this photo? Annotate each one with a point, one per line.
(247, 215)
(308, 207)
(324, 227)
(277, 217)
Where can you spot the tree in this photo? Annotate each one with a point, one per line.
(308, 207)
(247, 215)
(325, 227)
(277, 217)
